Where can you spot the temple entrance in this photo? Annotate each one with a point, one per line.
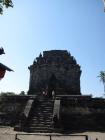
(51, 85)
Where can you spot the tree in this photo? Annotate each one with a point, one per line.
(7, 94)
(22, 93)
(104, 5)
(102, 78)
(6, 3)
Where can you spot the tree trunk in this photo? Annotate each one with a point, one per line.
(104, 88)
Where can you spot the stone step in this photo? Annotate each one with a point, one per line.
(40, 125)
(39, 128)
(41, 108)
(45, 103)
(48, 109)
(46, 100)
(44, 108)
(40, 131)
(39, 121)
(42, 112)
(41, 116)
(45, 116)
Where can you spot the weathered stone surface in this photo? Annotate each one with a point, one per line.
(11, 108)
(56, 70)
(82, 113)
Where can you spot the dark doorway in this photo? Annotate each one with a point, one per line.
(52, 85)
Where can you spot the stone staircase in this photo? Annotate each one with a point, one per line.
(40, 119)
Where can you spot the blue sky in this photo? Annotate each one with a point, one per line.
(32, 27)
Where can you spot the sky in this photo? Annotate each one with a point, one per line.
(31, 27)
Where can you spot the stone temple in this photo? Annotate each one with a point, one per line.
(54, 102)
(55, 70)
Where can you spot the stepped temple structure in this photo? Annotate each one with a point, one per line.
(54, 102)
(56, 70)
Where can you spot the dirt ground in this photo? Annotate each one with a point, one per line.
(7, 133)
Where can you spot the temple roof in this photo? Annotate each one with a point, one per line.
(2, 66)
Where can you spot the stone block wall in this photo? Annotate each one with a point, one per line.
(11, 108)
(83, 114)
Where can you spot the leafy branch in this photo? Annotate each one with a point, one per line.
(5, 3)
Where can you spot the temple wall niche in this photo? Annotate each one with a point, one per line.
(56, 65)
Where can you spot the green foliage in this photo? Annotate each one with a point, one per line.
(6, 3)
(22, 93)
(102, 78)
(7, 93)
